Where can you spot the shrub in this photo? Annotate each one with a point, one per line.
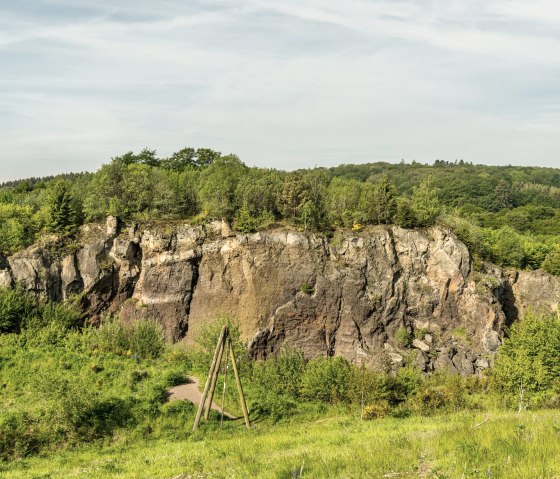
(178, 408)
(147, 340)
(64, 315)
(403, 384)
(367, 386)
(281, 374)
(307, 288)
(327, 379)
(275, 406)
(278, 382)
(110, 337)
(16, 309)
(529, 359)
(206, 339)
(440, 392)
(20, 435)
(551, 263)
(402, 337)
(376, 410)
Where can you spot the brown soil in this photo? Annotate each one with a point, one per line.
(190, 392)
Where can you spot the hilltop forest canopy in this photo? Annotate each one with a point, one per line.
(509, 215)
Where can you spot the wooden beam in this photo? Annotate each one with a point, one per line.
(208, 379)
(215, 378)
(239, 388)
(227, 346)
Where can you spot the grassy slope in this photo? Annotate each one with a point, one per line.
(506, 446)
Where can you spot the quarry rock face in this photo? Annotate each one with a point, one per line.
(374, 297)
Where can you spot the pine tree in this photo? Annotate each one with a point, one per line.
(245, 221)
(60, 208)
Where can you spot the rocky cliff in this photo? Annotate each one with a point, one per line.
(373, 297)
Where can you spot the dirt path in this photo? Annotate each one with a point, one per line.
(190, 392)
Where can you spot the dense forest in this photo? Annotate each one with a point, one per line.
(509, 215)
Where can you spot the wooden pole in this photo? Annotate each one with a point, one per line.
(207, 385)
(225, 378)
(215, 378)
(239, 388)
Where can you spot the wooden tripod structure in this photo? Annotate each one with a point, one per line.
(224, 343)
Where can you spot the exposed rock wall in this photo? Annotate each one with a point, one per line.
(347, 295)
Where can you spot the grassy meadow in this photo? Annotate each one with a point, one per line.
(337, 446)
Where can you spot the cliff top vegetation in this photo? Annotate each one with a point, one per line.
(509, 215)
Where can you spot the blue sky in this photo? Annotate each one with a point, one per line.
(284, 84)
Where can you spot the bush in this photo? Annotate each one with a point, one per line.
(16, 309)
(275, 406)
(110, 337)
(529, 359)
(402, 338)
(327, 379)
(147, 340)
(281, 374)
(20, 435)
(376, 410)
(178, 408)
(551, 263)
(206, 339)
(440, 392)
(367, 386)
(65, 315)
(278, 382)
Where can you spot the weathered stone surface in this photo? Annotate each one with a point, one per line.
(346, 296)
(421, 345)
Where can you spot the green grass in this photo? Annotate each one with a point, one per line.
(446, 446)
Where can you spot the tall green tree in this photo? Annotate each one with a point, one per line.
(218, 184)
(61, 208)
(425, 203)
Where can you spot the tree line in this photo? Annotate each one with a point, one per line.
(508, 215)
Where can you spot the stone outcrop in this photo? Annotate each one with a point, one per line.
(374, 297)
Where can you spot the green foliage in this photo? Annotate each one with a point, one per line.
(402, 337)
(507, 247)
(425, 203)
(147, 339)
(20, 435)
(218, 187)
(551, 263)
(278, 383)
(376, 410)
(61, 208)
(64, 316)
(142, 339)
(110, 337)
(307, 288)
(206, 338)
(17, 225)
(508, 215)
(529, 358)
(404, 215)
(326, 379)
(440, 392)
(16, 309)
(245, 222)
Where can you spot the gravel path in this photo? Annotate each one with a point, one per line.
(190, 392)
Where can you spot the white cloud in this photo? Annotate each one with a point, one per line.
(284, 84)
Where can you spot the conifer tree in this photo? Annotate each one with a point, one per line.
(61, 209)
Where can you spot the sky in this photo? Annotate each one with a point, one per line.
(283, 84)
